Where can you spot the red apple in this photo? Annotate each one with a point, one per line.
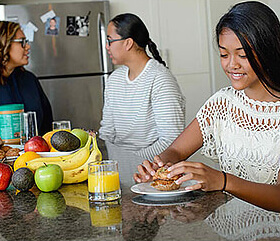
(5, 176)
(37, 144)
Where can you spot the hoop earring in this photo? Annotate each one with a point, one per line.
(5, 60)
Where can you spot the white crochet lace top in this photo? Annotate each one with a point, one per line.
(243, 134)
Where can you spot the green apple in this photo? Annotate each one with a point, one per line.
(82, 135)
(49, 177)
(51, 204)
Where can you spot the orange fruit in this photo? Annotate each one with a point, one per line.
(53, 150)
(25, 157)
(48, 137)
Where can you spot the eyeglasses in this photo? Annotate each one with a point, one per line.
(109, 41)
(23, 41)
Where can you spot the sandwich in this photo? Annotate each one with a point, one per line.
(162, 182)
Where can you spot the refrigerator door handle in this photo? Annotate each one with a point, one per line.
(102, 36)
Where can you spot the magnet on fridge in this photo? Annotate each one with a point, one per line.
(52, 26)
(78, 25)
(48, 15)
(29, 30)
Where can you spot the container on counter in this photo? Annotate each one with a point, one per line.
(103, 181)
(10, 123)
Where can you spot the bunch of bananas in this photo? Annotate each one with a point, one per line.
(80, 173)
(74, 166)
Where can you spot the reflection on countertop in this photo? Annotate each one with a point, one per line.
(67, 215)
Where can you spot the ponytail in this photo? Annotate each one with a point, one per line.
(153, 49)
(129, 25)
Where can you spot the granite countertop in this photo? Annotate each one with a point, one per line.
(68, 215)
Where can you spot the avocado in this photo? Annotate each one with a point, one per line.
(65, 141)
(23, 179)
(25, 202)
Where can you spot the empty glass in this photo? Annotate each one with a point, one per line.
(61, 125)
(28, 126)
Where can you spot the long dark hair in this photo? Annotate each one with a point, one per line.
(131, 26)
(258, 30)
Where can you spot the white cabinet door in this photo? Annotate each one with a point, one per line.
(183, 26)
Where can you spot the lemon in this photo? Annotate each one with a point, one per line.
(25, 157)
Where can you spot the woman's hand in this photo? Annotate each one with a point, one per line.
(208, 178)
(147, 170)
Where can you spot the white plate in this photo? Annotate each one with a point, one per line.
(52, 154)
(15, 146)
(9, 159)
(146, 188)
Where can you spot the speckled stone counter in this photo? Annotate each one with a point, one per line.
(67, 215)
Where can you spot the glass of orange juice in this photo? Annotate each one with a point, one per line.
(103, 181)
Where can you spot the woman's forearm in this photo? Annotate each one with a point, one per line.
(262, 195)
(187, 143)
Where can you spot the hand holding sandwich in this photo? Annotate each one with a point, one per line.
(148, 169)
(208, 178)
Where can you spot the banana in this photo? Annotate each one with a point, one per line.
(79, 190)
(76, 195)
(81, 203)
(80, 174)
(68, 162)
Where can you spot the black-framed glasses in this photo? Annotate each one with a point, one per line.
(109, 41)
(23, 41)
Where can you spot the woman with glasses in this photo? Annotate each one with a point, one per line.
(239, 125)
(18, 86)
(144, 109)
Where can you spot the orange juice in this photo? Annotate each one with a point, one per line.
(105, 215)
(103, 182)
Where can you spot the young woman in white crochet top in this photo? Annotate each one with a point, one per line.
(239, 125)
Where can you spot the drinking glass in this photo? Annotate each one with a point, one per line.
(103, 181)
(28, 126)
(61, 125)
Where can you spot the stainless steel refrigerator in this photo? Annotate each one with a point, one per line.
(70, 61)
